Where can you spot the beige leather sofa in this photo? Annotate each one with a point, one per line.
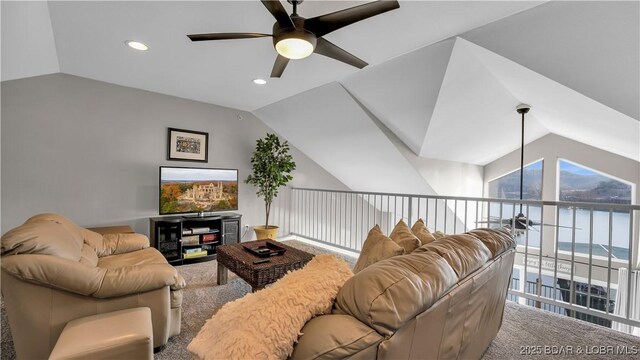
(445, 300)
(54, 271)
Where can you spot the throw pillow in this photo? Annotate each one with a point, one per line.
(420, 230)
(438, 234)
(375, 248)
(403, 236)
(266, 324)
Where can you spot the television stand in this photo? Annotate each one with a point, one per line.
(198, 215)
(193, 238)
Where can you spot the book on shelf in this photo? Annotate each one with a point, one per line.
(207, 238)
(192, 250)
(186, 232)
(194, 254)
(190, 240)
(200, 230)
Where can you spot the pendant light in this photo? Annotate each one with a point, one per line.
(522, 109)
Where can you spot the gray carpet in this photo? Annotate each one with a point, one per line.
(522, 326)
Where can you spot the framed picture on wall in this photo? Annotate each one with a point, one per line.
(187, 145)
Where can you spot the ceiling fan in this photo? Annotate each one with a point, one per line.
(520, 222)
(295, 37)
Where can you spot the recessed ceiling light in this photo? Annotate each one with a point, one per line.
(259, 81)
(136, 45)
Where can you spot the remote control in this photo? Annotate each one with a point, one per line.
(260, 261)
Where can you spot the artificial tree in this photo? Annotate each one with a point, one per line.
(271, 165)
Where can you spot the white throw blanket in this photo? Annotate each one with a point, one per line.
(267, 323)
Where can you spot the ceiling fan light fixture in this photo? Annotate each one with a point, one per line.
(294, 48)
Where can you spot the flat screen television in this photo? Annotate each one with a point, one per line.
(196, 190)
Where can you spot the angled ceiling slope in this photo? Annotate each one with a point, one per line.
(327, 124)
(592, 47)
(474, 120)
(28, 48)
(402, 92)
(455, 101)
(561, 110)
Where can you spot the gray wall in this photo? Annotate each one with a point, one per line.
(91, 150)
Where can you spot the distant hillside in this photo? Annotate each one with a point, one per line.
(573, 187)
(508, 187)
(570, 180)
(593, 188)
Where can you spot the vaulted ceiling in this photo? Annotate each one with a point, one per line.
(440, 72)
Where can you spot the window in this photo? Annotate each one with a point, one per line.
(581, 184)
(508, 187)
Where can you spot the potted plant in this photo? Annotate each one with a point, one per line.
(271, 168)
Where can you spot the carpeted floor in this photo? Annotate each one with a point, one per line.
(523, 329)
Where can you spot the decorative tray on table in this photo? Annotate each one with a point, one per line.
(264, 248)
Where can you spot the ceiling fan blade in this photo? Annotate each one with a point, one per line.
(279, 66)
(277, 10)
(562, 226)
(324, 24)
(226, 36)
(329, 49)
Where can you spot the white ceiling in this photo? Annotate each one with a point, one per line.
(444, 76)
(89, 39)
(455, 100)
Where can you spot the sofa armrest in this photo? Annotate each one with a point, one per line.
(54, 272)
(138, 279)
(118, 229)
(114, 244)
(334, 337)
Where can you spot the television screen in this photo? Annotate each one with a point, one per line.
(188, 190)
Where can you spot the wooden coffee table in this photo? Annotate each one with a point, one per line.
(236, 258)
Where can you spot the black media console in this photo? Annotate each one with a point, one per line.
(189, 239)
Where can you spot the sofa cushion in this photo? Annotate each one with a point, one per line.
(403, 236)
(42, 237)
(464, 252)
(114, 244)
(138, 279)
(496, 240)
(88, 256)
(94, 240)
(266, 324)
(334, 337)
(375, 248)
(391, 292)
(140, 257)
(420, 230)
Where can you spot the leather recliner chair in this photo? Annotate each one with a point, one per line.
(54, 271)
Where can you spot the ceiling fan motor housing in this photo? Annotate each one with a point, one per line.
(299, 32)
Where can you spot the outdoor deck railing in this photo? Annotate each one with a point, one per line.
(573, 260)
